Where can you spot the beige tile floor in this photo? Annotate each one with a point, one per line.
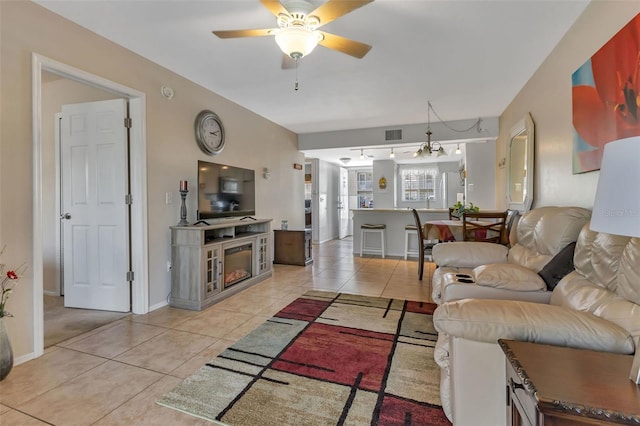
(114, 374)
(62, 323)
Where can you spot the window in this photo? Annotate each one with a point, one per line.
(418, 183)
(364, 183)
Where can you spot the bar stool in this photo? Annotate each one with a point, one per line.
(372, 229)
(410, 230)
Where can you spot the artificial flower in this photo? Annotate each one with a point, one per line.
(9, 281)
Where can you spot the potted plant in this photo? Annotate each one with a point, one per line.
(460, 208)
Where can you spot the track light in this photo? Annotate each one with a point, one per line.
(458, 151)
(392, 154)
(362, 154)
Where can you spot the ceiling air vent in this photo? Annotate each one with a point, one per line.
(393, 135)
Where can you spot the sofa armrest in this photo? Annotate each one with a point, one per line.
(454, 291)
(490, 320)
(467, 254)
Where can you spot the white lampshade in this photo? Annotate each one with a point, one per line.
(616, 209)
(297, 41)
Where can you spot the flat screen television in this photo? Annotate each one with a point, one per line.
(225, 191)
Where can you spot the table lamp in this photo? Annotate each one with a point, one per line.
(616, 208)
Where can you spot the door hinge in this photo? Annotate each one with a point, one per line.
(128, 199)
(129, 276)
(128, 122)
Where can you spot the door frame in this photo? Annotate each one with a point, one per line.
(138, 160)
(315, 200)
(344, 206)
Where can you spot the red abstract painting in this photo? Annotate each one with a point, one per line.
(606, 97)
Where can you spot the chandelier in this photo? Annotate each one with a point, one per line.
(430, 148)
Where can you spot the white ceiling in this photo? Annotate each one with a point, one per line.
(469, 58)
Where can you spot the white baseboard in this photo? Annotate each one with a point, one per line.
(24, 358)
(158, 306)
(51, 293)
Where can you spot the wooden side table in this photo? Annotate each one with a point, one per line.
(292, 247)
(553, 385)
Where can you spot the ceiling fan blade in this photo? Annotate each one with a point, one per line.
(334, 9)
(274, 7)
(244, 33)
(344, 45)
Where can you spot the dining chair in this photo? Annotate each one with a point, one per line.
(453, 214)
(512, 218)
(484, 226)
(425, 246)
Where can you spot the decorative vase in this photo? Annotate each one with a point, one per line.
(6, 353)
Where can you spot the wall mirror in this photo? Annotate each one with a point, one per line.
(520, 166)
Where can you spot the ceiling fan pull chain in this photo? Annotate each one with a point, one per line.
(296, 85)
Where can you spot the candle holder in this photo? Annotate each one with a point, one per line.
(183, 209)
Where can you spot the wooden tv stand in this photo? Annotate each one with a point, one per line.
(198, 276)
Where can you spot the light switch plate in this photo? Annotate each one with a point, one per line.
(168, 198)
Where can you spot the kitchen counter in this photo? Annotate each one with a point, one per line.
(402, 210)
(395, 220)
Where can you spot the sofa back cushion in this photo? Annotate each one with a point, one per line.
(606, 280)
(609, 261)
(542, 232)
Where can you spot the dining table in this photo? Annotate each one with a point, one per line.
(449, 230)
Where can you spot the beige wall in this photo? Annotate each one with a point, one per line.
(252, 142)
(547, 96)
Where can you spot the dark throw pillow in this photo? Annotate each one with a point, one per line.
(558, 267)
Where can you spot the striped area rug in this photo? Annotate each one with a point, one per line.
(326, 359)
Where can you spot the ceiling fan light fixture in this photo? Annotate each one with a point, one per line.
(298, 41)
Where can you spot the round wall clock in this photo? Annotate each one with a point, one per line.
(209, 132)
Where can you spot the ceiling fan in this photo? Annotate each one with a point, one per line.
(298, 22)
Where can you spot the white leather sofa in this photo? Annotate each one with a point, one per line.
(498, 272)
(597, 307)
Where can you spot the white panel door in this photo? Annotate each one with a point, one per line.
(95, 214)
(343, 204)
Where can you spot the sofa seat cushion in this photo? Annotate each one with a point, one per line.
(486, 320)
(508, 276)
